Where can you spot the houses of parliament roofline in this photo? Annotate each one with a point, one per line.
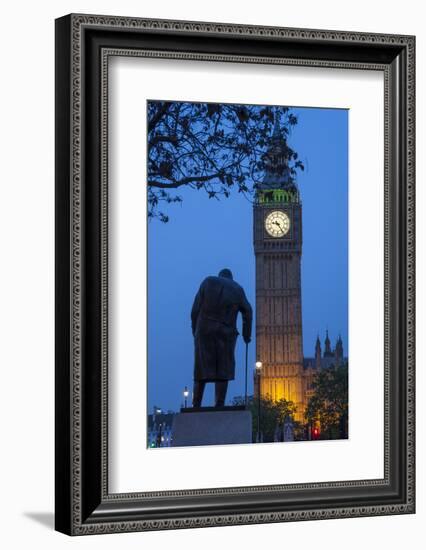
(329, 358)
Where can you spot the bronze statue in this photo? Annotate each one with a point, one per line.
(214, 318)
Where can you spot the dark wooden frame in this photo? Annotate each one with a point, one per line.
(83, 46)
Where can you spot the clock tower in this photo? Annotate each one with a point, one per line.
(277, 220)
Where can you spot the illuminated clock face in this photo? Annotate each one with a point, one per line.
(277, 223)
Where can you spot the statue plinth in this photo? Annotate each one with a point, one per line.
(212, 426)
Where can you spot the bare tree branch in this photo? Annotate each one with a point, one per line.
(210, 146)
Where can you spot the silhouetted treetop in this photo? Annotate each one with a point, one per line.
(211, 147)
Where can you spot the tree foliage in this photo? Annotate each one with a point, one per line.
(272, 415)
(211, 147)
(329, 403)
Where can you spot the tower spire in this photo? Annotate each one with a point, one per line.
(327, 350)
(318, 354)
(276, 158)
(317, 343)
(338, 351)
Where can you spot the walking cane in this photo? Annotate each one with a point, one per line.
(245, 394)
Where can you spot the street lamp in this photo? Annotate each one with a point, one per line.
(258, 367)
(157, 411)
(185, 395)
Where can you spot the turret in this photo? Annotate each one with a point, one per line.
(338, 350)
(318, 354)
(327, 350)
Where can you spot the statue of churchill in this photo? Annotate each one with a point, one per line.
(214, 318)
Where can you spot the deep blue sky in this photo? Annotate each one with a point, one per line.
(204, 235)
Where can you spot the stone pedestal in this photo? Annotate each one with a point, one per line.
(212, 426)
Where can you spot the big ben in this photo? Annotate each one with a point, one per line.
(277, 221)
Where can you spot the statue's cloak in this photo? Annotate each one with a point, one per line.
(214, 326)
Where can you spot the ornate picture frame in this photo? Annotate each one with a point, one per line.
(84, 44)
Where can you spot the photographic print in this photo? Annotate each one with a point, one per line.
(247, 215)
(225, 299)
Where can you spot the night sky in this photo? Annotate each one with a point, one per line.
(205, 235)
